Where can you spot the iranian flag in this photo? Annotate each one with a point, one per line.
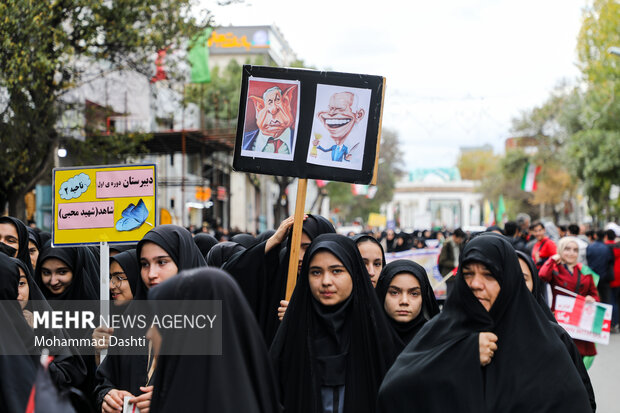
(528, 183)
(583, 321)
(359, 189)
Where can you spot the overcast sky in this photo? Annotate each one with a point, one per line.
(456, 71)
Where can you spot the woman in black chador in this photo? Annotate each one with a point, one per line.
(407, 297)
(334, 344)
(490, 350)
(239, 380)
(262, 270)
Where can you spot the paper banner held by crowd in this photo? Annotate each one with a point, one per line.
(584, 321)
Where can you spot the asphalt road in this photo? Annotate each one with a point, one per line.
(605, 376)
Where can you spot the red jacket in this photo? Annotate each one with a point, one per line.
(544, 249)
(557, 274)
(616, 250)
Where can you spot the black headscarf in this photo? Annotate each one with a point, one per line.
(573, 351)
(222, 252)
(537, 285)
(17, 372)
(359, 238)
(262, 277)
(35, 237)
(83, 265)
(128, 260)
(247, 240)
(239, 380)
(122, 248)
(22, 234)
(440, 370)
(129, 372)
(311, 333)
(204, 242)
(430, 308)
(178, 243)
(265, 235)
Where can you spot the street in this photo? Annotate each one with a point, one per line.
(605, 376)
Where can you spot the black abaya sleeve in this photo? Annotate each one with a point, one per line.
(263, 283)
(577, 360)
(123, 372)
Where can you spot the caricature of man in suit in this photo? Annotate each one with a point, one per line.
(339, 120)
(274, 118)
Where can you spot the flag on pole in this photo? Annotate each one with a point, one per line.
(359, 189)
(160, 68)
(584, 321)
(528, 183)
(489, 216)
(198, 57)
(501, 210)
(372, 191)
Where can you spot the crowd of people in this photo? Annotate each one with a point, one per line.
(357, 335)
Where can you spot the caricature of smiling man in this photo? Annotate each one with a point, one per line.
(339, 120)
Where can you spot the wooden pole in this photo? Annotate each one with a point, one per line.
(376, 168)
(298, 223)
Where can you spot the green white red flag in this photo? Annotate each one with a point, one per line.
(583, 321)
(529, 182)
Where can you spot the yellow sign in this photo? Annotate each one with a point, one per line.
(228, 41)
(376, 220)
(103, 204)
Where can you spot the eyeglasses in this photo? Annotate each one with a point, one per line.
(117, 279)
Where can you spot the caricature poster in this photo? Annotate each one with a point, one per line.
(271, 119)
(309, 124)
(338, 132)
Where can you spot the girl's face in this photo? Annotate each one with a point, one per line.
(156, 265)
(570, 253)
(34, 253)
(8, 235)
(330, 282)
(23, 290)
(56, 275)
(373, 259)
(403, 301)
(120, 291)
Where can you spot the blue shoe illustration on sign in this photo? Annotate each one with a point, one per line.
(132, 217)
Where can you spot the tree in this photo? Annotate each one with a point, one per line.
(476, 164)
(48, 48)
(352, 207)
(594, 150)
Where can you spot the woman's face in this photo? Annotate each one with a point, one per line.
(480, 281)
(56, 275)
(120, 291)
(527, 274)
(156, 265)
(23, 290)
(373, 259)
(34, 253)
(570, 253)
(8, 235)
(330, 282)
(403, 301)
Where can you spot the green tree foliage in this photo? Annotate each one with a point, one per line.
(475, 165)
(351, 207)
(595, 151)
(47, 48)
